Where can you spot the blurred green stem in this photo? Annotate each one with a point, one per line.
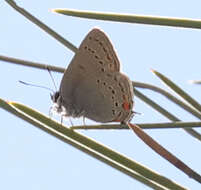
(41, 25)
(167, 114)
(31, 64)
(133, 18)
(169, 125)
(178, 90)
(89, 146)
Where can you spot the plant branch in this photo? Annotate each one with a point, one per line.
(31, 64)
(165, 113)
(133, 18)
(165, 153)
(43, 26)
(178, 90)
(86, 144)
(168, 125)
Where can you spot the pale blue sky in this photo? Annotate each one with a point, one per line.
(32, 159)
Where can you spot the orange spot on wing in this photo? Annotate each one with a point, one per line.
(126, 106)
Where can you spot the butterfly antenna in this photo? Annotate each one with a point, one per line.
(49, 71)
(137, 113)
(29, 84)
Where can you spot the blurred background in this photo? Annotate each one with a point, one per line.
(33, 159)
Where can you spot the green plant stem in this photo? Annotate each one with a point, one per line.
(169, 96)
(195, 81)
(68, 135)
(43, 26)
(165, 113)
(168, 125)
(90, 152)
(180, 103)
(31, 64)
(178, 90)
(164, 152)
(133, 18)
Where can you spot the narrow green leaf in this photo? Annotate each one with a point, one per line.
(169, 96)
(134, 175)
(178, 90)
(41, 25)
(168, 125)
(31, 64)
(73, 136)
(133, 18)
(153, 144)
(195, 81)
(165, 113)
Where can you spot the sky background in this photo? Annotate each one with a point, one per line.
(30, 158)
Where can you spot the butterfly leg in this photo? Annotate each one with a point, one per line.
(50, 112)
(84, 123)
(71, 122)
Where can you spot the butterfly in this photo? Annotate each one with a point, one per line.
(93, 86)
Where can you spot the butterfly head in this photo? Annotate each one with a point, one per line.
(55, 97)
(57, 103)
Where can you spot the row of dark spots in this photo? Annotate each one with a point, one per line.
(104, 49)
(106, 52)
(109, 87)
(96, 57)
(112, 90)
(116, 104)
(89, 49)
(121, 87)
(123, 91)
